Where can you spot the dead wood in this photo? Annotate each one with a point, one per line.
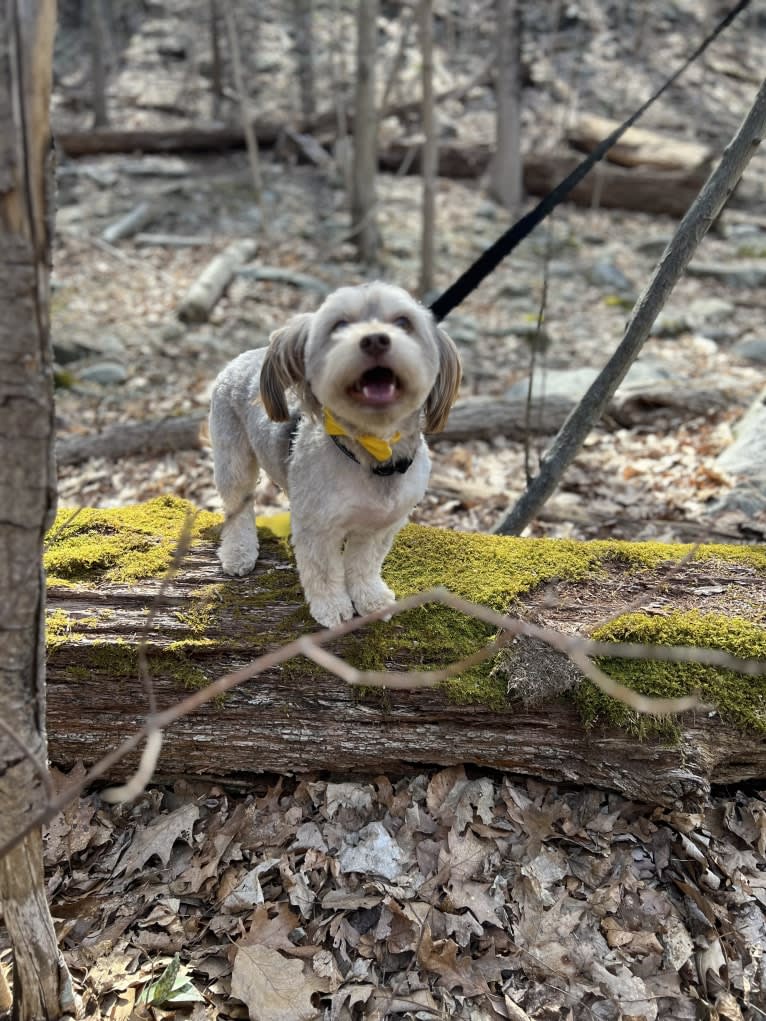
(298, 718)
(203, 295)
(643, 188)
(472, 418)
(639, 147)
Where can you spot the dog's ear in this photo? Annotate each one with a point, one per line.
(445, 389)
(283, 365)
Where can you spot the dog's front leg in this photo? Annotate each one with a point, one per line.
(319, 557)
(363, 559)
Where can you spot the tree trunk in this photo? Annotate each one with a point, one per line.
(430, 150)
(98, 36)
(303, 36)
(297, 717)
(507, 169)
(363, 196)
(27, 488)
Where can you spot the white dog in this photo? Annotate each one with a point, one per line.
(348, 451)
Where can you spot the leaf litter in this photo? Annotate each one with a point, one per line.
(438, 895)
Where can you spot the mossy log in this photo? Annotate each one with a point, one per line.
(527, 713)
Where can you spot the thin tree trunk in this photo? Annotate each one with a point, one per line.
(98, 63)
(216, 67)
(363, 197)
(678, 254)
(304, 50)
(507, 171)
(430, 150)
(27, 490)
(244, 101)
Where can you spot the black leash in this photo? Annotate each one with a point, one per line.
(493, 256)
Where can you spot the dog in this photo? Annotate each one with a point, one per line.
(366, 372)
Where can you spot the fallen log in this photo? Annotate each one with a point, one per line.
(639, 146)
(472, 418)
(523, 716)
(643, 188)
(203, 295)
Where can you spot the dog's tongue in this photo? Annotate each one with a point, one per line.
(379, 391)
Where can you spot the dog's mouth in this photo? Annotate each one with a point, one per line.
(376, 387)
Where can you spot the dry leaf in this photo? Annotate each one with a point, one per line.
(158, 838)
(275, 988)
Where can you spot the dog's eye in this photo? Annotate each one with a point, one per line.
(403, 323)
(340, 325)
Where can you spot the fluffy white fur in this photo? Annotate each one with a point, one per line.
(375, 358)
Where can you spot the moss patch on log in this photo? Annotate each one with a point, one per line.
(739, 698)
(126, 544)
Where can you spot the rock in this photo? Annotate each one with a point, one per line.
(745, 273)
(604, 273)
(571, 384)
(654, 246)
(172, 330)
(747, 454)
(68, 349)
(671, 322)
(463, 329)
(105, 373)
(753, 349)
(706, 311)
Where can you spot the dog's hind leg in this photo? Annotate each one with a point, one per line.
(235, 471)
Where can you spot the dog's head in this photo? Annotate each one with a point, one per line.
(371, 354)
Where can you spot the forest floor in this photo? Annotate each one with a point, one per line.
(445, 893)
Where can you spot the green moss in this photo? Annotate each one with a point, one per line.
(117, 659)
(740, 699)
(58, 626)
(121, 543)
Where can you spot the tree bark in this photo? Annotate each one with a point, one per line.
(506, 169)
(303, 42)
(27, 489)
(296, 717)
(363, 194)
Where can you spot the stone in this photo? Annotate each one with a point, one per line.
(105, 373)
(744, 273)
(671, 322)
(706, 311)
(571, 384)
(605, 273)
(654, 246)
(747, 454)
(68, 349)
(752, 350)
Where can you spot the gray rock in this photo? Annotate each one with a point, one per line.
(654, 246)
(571, 384)
(68, 349)
(744, 273)
(753, 350)
(671, 322)
(709, 311)
(106, 373)
(173, 329)
(604, 273)
(747, 454)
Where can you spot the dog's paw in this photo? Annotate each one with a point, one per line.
(329, 611)
(237, 558)
(372, 596)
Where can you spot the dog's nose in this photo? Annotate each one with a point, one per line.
(375, 343)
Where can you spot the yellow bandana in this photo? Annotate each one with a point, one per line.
(380, 449)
